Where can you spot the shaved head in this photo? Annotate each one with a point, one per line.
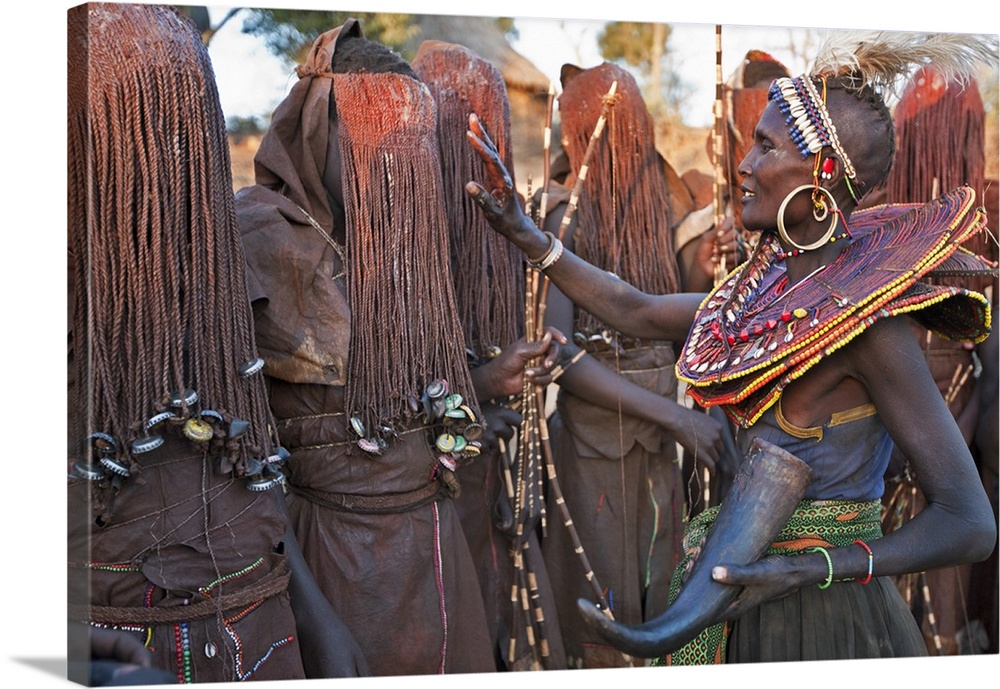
(864, 126)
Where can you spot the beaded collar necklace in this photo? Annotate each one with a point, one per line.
(752, 336)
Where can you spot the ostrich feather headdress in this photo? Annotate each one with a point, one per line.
(881, 59)
(878, 61)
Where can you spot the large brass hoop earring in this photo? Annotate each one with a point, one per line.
(830, 210)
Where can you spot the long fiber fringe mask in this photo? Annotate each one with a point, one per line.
(488, 270)
(940, 138)
(623, 224)
(405, 327)
(940, 144)
(160, 298)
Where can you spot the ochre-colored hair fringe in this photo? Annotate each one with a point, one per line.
(405, 329)
(159, 299)
(624, 225)
(940, 137)
(487, 269)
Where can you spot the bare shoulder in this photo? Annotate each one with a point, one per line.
(886, 345)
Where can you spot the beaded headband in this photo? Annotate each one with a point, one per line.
(808, 119)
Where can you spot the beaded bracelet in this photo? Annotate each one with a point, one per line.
(829, 566)
(551, 255)
(871, 563)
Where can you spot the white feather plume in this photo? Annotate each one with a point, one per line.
(881, 59)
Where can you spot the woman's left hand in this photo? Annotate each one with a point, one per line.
(769, 578)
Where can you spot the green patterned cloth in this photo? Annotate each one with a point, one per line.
(826, 523)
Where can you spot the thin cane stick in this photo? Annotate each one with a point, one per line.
(509, 485)
(957, 387)
(535, 322)
(589, 573)
(718, 184)
(519, 586)
(522, 597)
(536, 604)
(523, 590)
(606, 104)
(546, 152)
(930, 613)
(718, 181)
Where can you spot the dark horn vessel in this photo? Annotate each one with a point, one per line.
(767, 488)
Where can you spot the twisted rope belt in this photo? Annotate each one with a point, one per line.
(272, 584)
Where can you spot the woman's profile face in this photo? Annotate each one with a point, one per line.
(772, 168)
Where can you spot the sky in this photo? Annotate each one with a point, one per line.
(252, 81)
(34, 311)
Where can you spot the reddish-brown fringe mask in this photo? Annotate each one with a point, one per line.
(405, 328)
(160, 302)
(488, 270)
(624, 223)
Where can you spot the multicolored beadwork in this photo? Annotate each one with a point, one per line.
(182, 647)
(754, 333)
(808, 120)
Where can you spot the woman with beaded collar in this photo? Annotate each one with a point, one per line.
(799, 347)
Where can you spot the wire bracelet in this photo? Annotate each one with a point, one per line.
(829, 566)
(551, 255)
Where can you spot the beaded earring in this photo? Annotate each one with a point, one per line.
(826, 169)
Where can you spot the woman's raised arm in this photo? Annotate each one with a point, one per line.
(610, 299)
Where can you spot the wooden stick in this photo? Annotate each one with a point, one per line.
(955, 388)
(546, 153)
(930, 613)
(509, 485)
(718, 181)
(536, 603)
(519, 586)
(607, 102)
(574, 536)
(718, 205)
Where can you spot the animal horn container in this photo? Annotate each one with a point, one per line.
(767, 488)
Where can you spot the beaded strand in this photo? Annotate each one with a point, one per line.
(182, 643)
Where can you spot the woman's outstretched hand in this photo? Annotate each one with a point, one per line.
(500, 204)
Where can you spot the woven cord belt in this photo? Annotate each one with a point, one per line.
(272, 584)
(386, 503)
(827, 523)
